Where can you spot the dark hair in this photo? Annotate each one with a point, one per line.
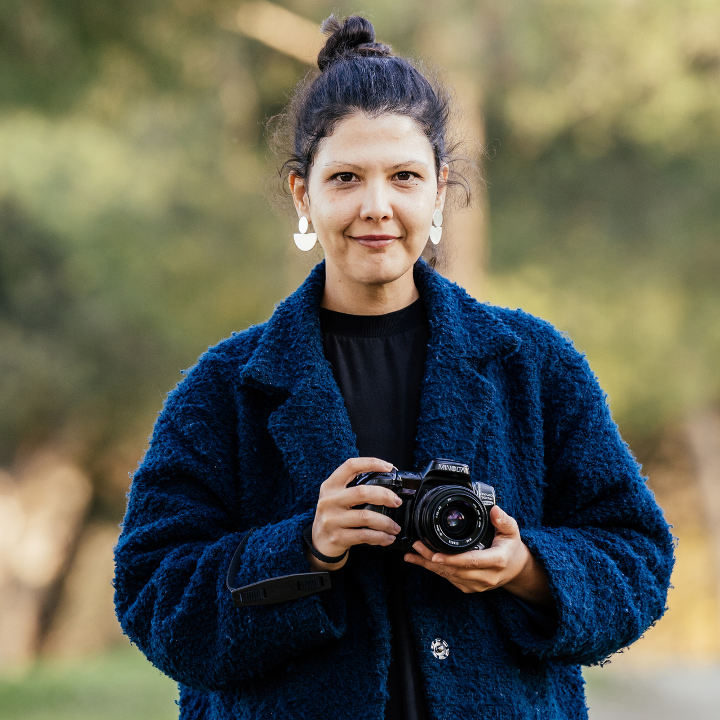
(358, 74)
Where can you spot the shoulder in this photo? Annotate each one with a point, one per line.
(549, 351)
(218, 367)
(451, 305)
(236, 348)
(538, 336)
(563, 373)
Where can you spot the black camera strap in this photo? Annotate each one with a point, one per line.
(307, 537)
(272, 590)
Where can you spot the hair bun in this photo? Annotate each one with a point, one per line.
(353, 36)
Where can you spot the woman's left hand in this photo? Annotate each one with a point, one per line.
(506, 563)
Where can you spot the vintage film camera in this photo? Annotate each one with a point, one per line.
(441, 506)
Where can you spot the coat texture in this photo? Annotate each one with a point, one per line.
(246, 439)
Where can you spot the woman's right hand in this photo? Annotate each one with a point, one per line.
(337, 526)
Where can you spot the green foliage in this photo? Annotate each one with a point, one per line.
(603, 121)
(641, 73)
(622, 252)
(135, 228)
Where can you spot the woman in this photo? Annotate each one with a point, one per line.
(375, 361)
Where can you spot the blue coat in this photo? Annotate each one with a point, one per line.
(246, 439)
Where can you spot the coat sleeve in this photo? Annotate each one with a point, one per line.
(179, 536)
(603, 542)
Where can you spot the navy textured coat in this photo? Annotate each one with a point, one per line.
(246, 439)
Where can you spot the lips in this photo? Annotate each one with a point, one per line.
(375, 241)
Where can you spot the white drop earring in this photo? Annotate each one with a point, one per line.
(436, 228)
(304, 240)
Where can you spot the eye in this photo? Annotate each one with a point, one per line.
(344, 177)
(406, 176)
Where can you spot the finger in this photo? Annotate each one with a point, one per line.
(355, 466)
(364, 536)
(442, 571)
(415, 559)
(369, 519)
(332, 539)
(423, 550)
(460, 583)
(464, 579)
(366, 495)
(471, 560)
(490, 559)
(460, 586)
(505, 525)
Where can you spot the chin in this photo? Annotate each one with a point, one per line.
(384, 272)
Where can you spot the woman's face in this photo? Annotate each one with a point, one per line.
(370, 196)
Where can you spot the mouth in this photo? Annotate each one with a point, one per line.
(375, 241)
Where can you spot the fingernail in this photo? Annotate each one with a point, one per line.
(398, 501)
(410, 559)
(397, 528)
(438, 560)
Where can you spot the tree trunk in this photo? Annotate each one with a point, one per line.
(42, 510)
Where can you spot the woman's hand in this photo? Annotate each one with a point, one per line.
(337, 526)
(506, 563)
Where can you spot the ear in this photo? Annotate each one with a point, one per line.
(442, 187)
(298, 190)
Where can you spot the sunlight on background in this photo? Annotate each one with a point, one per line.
(140, 222)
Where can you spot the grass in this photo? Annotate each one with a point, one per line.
(122, 685)
(117, 685)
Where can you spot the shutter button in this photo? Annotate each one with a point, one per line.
(440, 649)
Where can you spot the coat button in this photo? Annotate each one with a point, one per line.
(440, 649)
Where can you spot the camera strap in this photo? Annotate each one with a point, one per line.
(272, 590)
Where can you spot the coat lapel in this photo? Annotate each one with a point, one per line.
(311, 426)
(456, 398)
(312, 430)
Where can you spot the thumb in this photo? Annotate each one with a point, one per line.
(504, 524)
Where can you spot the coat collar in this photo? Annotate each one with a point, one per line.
(311, 427)
(291, 350)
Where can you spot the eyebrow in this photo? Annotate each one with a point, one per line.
(409, 162)
(340, 163)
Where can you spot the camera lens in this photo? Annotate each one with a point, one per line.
(450, 519)
(454, 521)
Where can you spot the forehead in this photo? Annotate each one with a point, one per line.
(386, 139)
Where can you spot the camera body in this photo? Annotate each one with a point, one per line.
(441, 506)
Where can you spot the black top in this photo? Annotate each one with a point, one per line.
(378, 362)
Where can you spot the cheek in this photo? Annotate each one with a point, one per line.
(419, 218)
(336, 215)
(424, 206)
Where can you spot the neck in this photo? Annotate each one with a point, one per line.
(352, 298)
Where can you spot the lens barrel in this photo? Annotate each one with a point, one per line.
(450, 519)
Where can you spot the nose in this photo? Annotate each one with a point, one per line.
(376, 204)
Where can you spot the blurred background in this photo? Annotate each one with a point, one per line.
(137, 228)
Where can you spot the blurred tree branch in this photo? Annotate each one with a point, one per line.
(278, 28)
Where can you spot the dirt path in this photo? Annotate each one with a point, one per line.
(670, 694)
